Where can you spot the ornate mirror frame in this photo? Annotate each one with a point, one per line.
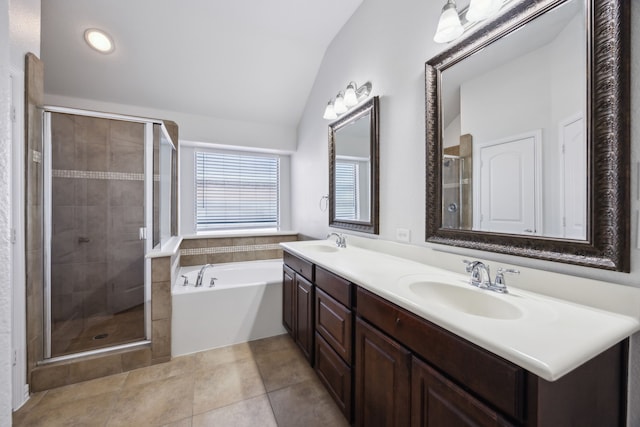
(608, 139)
(371, 108)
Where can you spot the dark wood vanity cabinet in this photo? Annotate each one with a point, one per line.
(298, 302)
(437, 401)
(456, 383)
(334, 337)
(383, 372)
(385, 366)
(288, 295)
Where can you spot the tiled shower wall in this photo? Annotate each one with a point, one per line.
(97, 258)
(232, 249)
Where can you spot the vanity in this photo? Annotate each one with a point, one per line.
(527, 154)
(392, 348)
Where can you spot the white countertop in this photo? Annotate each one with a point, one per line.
(547, 336)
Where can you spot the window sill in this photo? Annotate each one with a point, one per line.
(239, 233)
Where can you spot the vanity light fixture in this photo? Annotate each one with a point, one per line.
(347, 99)
(329, 112)
(338, 105)
(449, 25)
(99, 40)
(453, 24)
(482, 9)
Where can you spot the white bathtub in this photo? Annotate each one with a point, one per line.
(245, 304)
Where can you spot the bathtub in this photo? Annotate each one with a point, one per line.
(245, 304)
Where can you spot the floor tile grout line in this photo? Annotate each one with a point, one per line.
(273, 411)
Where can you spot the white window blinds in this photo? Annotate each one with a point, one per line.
(236, 190)
(347, 189)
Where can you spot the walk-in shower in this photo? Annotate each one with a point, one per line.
(99, 175)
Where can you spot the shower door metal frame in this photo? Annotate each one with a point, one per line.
(47, 225)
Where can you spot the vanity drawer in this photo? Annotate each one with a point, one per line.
(335, 374)
(299, 265)
(495, 380)
(335, 323)
(336, 286)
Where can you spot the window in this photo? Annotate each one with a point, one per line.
(236, 190)
(347, 197)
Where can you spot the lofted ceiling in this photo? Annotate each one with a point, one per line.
(249, 60)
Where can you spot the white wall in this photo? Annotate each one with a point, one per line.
(452, 133)
(19, 34)
(5, 217)
(196, 128)
(388, 43)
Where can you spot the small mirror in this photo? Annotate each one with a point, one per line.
(353, 170)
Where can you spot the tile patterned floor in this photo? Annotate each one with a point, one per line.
(260, 383)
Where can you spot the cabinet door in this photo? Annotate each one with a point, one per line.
(304, 319)
(288, 288)
(436, 401)
(382, 370)
(334, 323)
(335, 374)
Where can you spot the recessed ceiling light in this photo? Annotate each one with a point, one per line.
(99, 40)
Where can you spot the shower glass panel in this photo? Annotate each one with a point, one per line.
(451, 194)
(97, 202)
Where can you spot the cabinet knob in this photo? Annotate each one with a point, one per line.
(397, 320)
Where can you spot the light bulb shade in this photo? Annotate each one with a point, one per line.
(329, 112)
(350, 96)
(449, 26)
(483, 9)
(338, 105)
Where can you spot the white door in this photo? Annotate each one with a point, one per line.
(574, 177)
(507, 190)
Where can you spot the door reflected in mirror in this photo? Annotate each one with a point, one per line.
(353, 169)
(514, 157)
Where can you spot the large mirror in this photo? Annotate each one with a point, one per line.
(353, 169)
(528, 137)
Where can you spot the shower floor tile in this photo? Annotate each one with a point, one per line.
(240, 385)
(77, 335)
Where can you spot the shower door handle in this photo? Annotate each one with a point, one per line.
(142, 233)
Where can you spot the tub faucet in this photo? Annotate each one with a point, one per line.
(341, 241)
(201, 274)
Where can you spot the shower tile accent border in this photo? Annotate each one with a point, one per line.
(114, 176)
(228, 249)
(212, 250)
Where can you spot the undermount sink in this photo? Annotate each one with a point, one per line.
(467, 300)
(321, 248)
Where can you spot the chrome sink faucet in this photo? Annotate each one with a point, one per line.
(201, 274)
(341, 241)
(480, 273)
(481, 276)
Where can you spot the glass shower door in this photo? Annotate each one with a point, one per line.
(97, 209)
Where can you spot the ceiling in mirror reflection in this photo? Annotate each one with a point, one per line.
(520, 104)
